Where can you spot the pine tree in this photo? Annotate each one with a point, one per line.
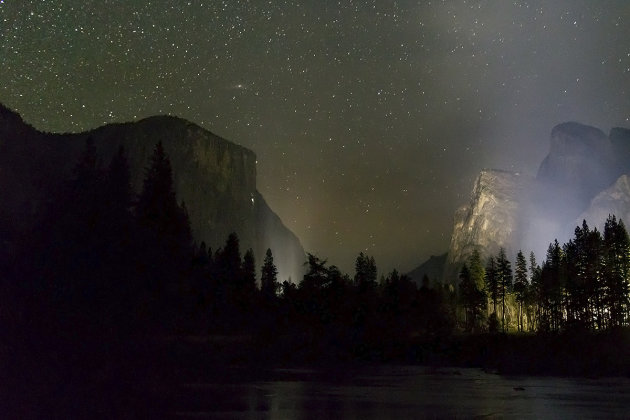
(76, 237)
(365, 272)
(616, 270)
(268, 277)
(467, 295)
(157, 210)
(157, 203)
(118, 189)
(87, 171)
(119, 227)
(535, 289)
(477, 274)
(520, 285)
(228, 261)
(245, 289)
(472, 290)
(164, 228)
(316, 277)
(248, 270)
(592, 270)
(85, 194)
(553, 285)
(504, 278)
(492, 282)
(581, 277)
(476, 269)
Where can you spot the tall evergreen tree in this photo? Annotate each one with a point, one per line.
(118, 189)
(312, 291)
(87, 172)
(504, 274)
(398, 297)
(245, 289)
(535, 289)
(477, 275)
(120, 233)
(580, 277)
(466, 291)
(157, 209)
(156, 203)
(520, 285)
(248, 270)
(85, 194)
(228, 261)
(165, 229)
(616, 270)
(477, 272)
(592, 268)
(573, 293)
(316, 277)
(76, 241)
(472, 290)
(492, 282)
(553, 284)
(365, 272)
(269, 277)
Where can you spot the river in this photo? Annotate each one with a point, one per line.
(401, 392)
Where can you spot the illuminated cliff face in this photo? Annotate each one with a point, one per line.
(490, 221)
(215, 178)
(613, 200)
(573, 182)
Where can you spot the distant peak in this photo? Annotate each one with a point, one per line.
(619, 134)
(165, 118)
(576, 130)
(497, 171)
(8, 113)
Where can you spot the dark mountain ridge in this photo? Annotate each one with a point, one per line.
(215, 178)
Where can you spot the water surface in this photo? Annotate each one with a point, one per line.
(402, 392)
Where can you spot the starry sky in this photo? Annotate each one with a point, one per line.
(370, 119)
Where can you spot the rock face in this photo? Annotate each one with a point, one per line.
(490, 221)
(432, 268)
(613, 200)
(580, 164)
(620, 140)
(573, 182)
(214, 177)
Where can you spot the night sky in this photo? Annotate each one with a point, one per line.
(370, 119)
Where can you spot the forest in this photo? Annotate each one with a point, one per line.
(111, 278)
(581, 285)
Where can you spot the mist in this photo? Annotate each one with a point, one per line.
(582, 163)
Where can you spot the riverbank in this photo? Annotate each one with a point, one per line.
(141, 374)
(584, 354)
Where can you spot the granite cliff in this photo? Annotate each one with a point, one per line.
(491, 220)
(432, 268)
(579, 165)
(214, 177)
(576, 180)
(613, 200)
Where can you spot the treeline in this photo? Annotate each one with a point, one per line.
(88, 287)
(327, 314)
(106, 261)
(102, 258)
(95, 294)
(581, 285)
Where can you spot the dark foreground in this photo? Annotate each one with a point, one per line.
(299, 376)
(401, 392)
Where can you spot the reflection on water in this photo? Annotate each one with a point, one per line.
(405, 392)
